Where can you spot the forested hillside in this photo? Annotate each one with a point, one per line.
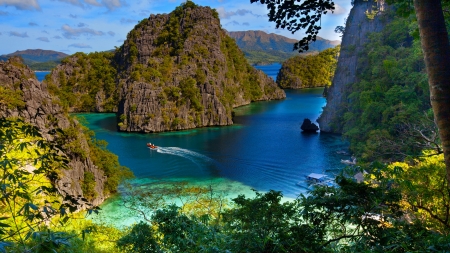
(388, 113)
(38, 59)
(309, 71)
(262, 48)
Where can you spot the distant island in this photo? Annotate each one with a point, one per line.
(261, 48)
(38, 59)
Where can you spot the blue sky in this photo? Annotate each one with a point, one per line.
(71, 26)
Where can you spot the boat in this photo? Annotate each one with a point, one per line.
(152, 146)
(318, 180)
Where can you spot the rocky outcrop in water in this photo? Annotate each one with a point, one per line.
(366, 16)
(309, 127)
(22, 96)
(174, 71)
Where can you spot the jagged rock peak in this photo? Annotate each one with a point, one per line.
(181, 70)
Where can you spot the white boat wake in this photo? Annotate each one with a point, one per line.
(195, 157)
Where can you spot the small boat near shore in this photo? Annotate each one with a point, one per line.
(316, 179)
(152, 146)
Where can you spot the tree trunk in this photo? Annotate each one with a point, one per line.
(436, 49)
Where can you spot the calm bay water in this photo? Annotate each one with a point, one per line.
(265, 149)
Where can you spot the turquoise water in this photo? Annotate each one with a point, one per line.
(265, 149)
(40, 75)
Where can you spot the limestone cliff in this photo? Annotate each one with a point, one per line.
(366, 16)
(175, 71)
(185, 72)
(22, 96)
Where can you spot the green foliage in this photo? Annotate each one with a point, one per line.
(11, 98)
(28, 166)
(141, 238)
(309, 71)
(106, 162)
(191, 93)
(391, 98)
(425, 191)
(88, 186)
(267, 57)
(44, 66)
(92, 73)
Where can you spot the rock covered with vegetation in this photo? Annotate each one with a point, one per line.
(93, 173)
(364, 18)
(86, 82)
(308, 71)
(174, 71)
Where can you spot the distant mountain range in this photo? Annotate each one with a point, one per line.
(38, 59)
(260, 47)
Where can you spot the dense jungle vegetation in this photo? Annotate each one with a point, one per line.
(402, 206)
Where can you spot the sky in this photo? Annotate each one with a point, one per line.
(71, 26)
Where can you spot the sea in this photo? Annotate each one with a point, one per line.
(263, 150)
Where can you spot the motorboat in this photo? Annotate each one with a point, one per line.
(152, 146)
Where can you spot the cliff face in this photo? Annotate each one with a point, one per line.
(174, 71)
(25, 97)
(366, 16)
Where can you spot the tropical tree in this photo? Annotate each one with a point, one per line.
(436, 49)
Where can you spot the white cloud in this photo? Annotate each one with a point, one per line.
(109, 4)
(233, 23)
(73, 16)
(81, 25)
(44, 31)
(92, 2)
(44, 39)
(73, 2)
(127, 20)
(70, 33)
(112, 4)
(338, 10)
(4, 13)
(80, 45)
(57, 37)
(223, 14)
(111, 33)
(22, 4)
(32, 24)
(17, 34)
